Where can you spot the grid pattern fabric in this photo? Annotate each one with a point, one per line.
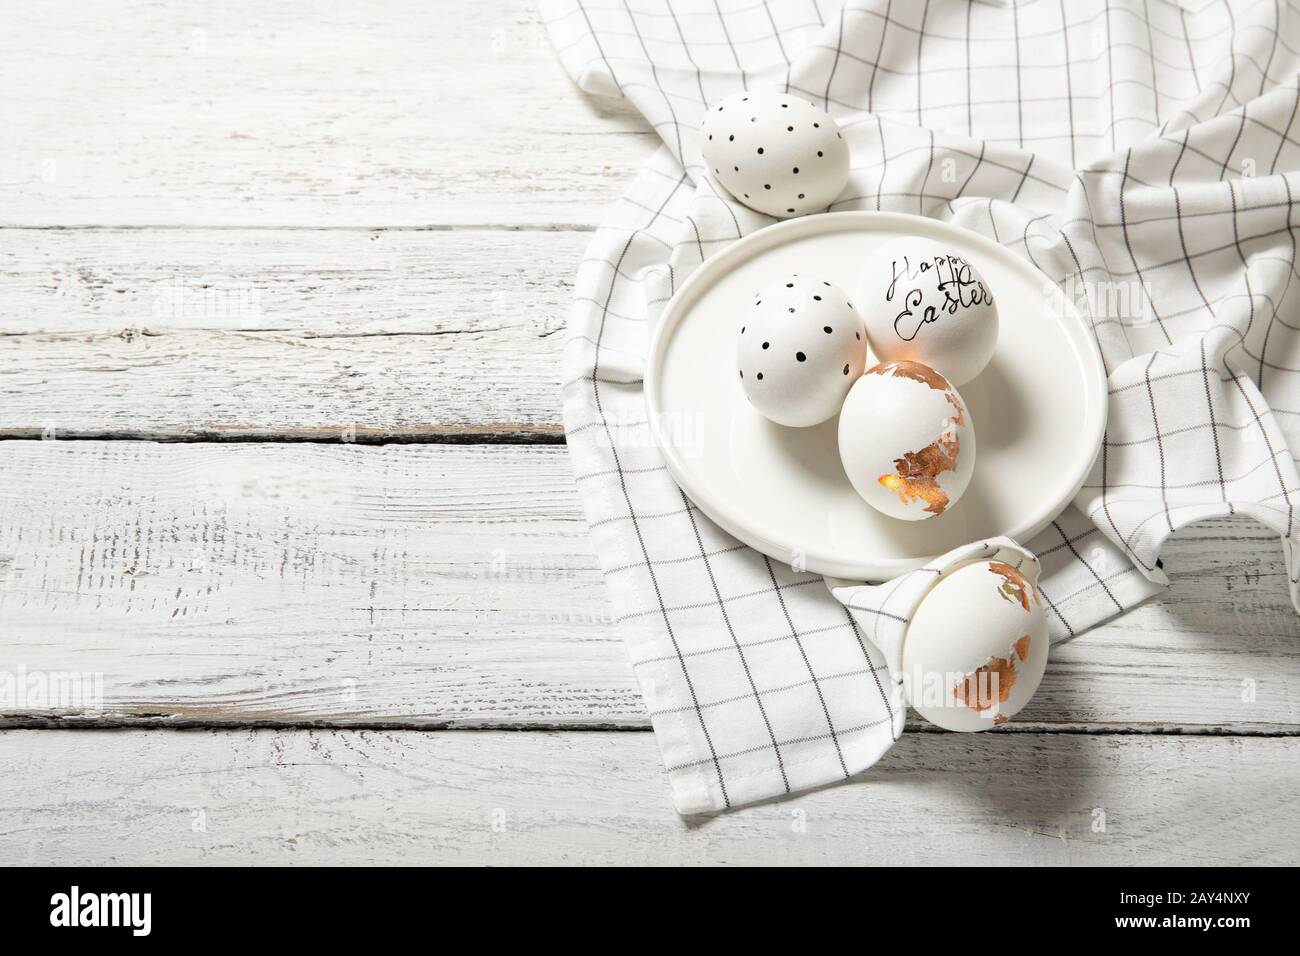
(1142, 153)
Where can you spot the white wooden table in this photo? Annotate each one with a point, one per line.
(282, 295)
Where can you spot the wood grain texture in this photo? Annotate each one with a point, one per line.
(382, 112)
(402, 193)
(296, 334)
(436, 586)
(345, 797)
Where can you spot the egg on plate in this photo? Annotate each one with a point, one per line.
(923, 302)
(906, 440)
(799, 348)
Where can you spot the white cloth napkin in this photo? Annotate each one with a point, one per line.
(1139, 152)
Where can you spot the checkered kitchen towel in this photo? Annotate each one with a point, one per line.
(1139, 152)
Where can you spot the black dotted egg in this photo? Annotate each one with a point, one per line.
(797, 350)
(776, 153)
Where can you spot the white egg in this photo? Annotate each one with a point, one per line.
(976, 647)
(906, 440)
(775, 152)
(924, 303)
(799, 349)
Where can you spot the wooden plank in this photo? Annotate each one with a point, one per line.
(383, 112)
(433, 586)
(346, 797)
(300, 334)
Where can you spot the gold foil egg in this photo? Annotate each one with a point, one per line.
(976, 646)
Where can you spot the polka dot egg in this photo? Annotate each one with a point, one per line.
(775, 152)
(800, 346)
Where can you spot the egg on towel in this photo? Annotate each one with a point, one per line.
(799, 349)
(775, 152)
(906, 440)
(925, 303)
(976, 647)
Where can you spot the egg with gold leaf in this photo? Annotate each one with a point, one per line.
(976, 646)
(906, 441)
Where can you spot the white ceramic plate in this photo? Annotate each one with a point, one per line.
(1039, 407)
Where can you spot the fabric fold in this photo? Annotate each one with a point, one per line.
(1141, 154)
